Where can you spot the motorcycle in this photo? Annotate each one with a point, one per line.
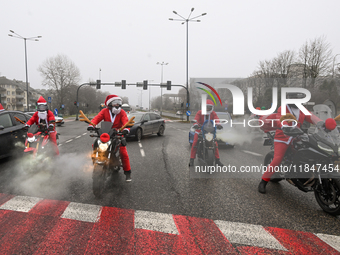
(310, 164)
(105, 156)
(37, 141)
(206, 143)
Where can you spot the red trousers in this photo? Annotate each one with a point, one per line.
(125, 158)
(53, 139)
(194, 148)
(279, 152)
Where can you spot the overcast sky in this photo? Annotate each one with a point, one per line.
(127, 38)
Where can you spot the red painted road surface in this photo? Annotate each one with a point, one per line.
(41, 226)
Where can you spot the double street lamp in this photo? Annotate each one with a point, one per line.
(35, 38)
(187, 20)
(162, 64)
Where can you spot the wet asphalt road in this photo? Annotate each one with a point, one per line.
(162, 182)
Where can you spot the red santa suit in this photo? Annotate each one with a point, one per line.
(200, 119)
(1, 108)
(49, 120)
(281, 141)
(118, 120)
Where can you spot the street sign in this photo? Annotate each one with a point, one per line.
(49, 99)
(188, 113)
(55, 111)
(62, 106)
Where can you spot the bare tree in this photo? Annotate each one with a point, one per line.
(59, 74)
(316, 57)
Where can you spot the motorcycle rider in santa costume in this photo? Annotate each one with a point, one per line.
(115, 114)
(281, 141)
(45, 116)
(200, 119)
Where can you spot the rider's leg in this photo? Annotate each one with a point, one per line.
(53, 139)
(125, 162)
(279, 152)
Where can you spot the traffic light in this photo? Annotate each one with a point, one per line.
(75, 102)
(145, 85)
(168, 85)
(123, 84)
(98, 84)
(182, 105)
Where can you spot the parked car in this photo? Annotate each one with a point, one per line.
(12, 135)
(59, 120)
(146, 123)
(179, 113)
(221, 135)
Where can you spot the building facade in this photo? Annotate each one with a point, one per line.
(13, 95)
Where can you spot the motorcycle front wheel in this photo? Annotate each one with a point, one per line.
(98, 177)
(210, 156)
(329, 198)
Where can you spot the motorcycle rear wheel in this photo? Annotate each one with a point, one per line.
(267, 160)
(331, 202)
(99, 176)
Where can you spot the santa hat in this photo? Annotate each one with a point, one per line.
(41, 100)
(209, 102)
(1, 108)
(114, 99)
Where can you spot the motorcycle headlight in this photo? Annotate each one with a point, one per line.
(209, 137)
(31, 139)
(103, 147)
(327, 149)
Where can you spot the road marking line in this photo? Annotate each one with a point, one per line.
(248, 234)
(333, 241)
(142, 152)
(60, 145)
(140, 145)
(253, 153)
(78, 136)
(84, 133)
(82, 212)
(20, 203)
(69, 141)
(161, 222)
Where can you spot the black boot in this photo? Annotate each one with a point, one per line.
(191, 162)
(127, 176)
(262, 187)
(218, 162)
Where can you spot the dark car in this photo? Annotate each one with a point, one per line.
(146, 123)
(12, 136)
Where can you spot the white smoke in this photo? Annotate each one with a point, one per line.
(51, 177)
(238, 133)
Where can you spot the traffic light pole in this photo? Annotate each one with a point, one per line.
(130, 84)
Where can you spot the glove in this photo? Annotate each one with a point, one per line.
(195, 126)
(90, 128)
(51, 127)
(125, 132)
(219, 127)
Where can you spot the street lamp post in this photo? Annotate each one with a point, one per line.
(184, 20)
(162, 64)
(35, 38)
(333, 64)
(149, 95)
